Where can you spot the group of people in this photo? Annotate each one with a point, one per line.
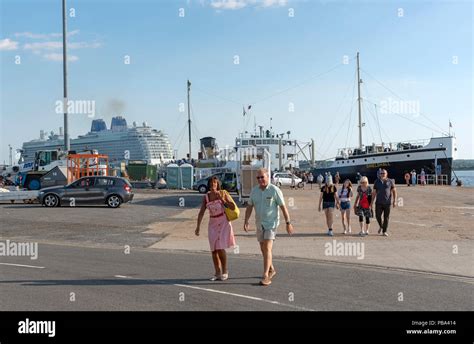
(383, 194)
(267, 200)
(411, 177)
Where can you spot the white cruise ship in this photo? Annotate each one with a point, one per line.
(121, 142)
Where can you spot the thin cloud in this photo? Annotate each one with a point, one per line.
(56, 45)
(59, 57)
(8, 44)
(32, 35)
(239, 4)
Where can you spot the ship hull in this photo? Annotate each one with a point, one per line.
(396, 169)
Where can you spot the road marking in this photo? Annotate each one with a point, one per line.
(234, 294)
(411, 223)
(245, 297)
(24, 266)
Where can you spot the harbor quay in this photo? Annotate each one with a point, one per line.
(430, 230)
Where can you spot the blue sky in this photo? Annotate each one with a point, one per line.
(420, 50)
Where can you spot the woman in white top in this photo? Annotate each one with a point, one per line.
(345, 195)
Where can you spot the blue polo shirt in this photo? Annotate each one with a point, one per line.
(266, 203)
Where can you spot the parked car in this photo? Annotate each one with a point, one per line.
(285, 179)
(112, 191)
(228, 181)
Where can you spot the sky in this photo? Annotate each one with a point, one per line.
(292, 61)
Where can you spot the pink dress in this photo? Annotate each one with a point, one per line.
(220, 233)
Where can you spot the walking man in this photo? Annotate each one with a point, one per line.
(311, 179)
(385, 196)
(266, 198)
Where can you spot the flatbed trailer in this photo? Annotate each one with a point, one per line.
(25, 196)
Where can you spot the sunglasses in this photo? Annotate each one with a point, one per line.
(262, 177)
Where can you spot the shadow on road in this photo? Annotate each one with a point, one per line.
(296, 235)
(130, 282)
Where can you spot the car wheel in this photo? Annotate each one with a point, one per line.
(300, 185)
(114, 201)
(51, 201)
(278, 184)
(202, 189)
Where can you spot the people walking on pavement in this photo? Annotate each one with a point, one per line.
(293, 181)
(311, 179)
(345, 195)
(320, 180)
(267, 200)
(362, 205)
(385, 196)
(423, 177)
(407, 178)
(220, 232)
(337, 178)
(329, 200)
(413, 177)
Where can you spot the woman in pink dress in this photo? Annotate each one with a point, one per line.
(220, 233)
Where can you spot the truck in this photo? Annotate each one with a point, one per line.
(49, 167)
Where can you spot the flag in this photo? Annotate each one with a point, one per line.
(248, 108)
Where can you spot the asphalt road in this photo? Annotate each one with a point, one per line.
(96, 224)
(108, 279)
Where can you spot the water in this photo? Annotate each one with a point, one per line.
(467, 177)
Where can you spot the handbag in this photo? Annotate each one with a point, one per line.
(229, 213)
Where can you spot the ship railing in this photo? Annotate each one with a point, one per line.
(433, 179)
(384, 147)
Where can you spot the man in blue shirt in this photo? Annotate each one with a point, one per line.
(266, 198)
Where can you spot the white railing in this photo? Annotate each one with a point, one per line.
(391, 146)
(432, 179)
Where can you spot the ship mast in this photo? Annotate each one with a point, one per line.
(359, 100)
(67, 144)
(189, 120)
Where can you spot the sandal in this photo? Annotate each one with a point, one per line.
(224, 277)
(266, 281)
(272, 274)
(216, 278)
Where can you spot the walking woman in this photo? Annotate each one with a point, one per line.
(329, 201)
(220, 232)
(345, 195)
(362, 205)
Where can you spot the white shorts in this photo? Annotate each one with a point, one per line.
(265, 234)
